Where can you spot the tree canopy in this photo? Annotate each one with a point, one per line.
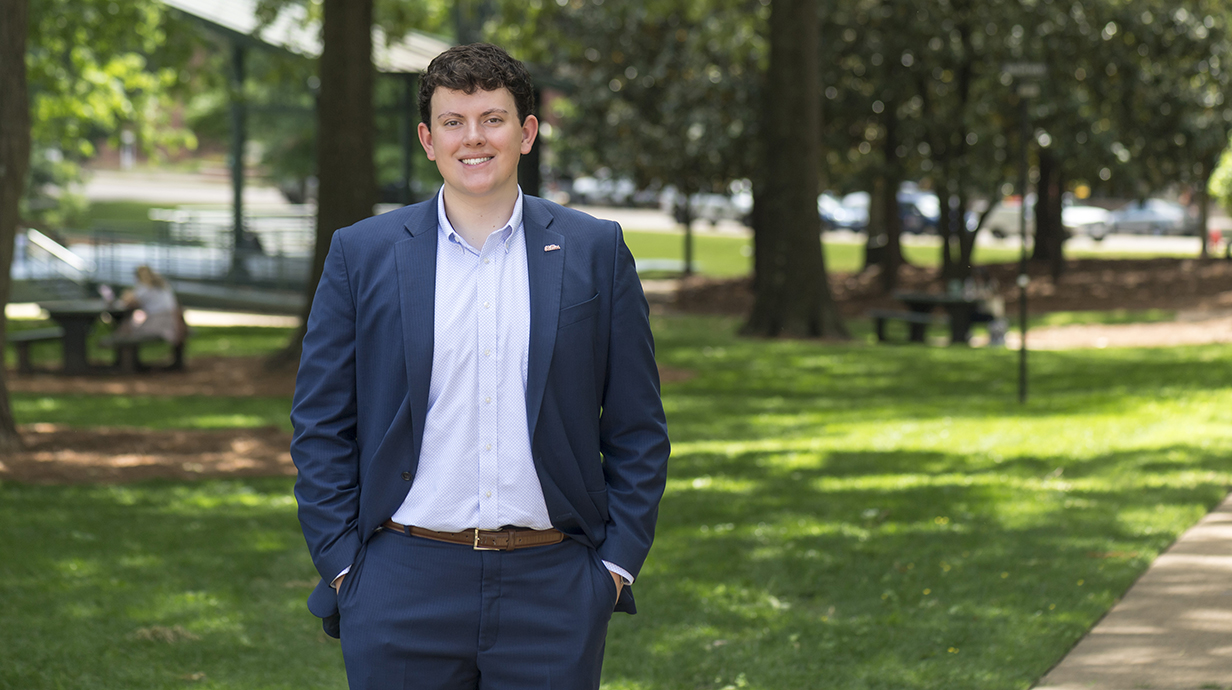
(1131, 104)
(663, 92)
(91, 69)
(97, 69)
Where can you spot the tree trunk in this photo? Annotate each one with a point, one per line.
(683, 211)
(792, 293)
(1204, 206)
(1056, 257)
(884, 247)
(954, 266)
(874, 246)
(14, 164)
(892, 257)
(966, 239)
(1049, 231)
(345, 135)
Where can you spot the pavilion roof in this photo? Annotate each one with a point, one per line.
(292, 30)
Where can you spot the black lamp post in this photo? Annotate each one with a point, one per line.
(1026, 74)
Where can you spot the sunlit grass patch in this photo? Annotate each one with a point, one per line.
(158, 585)
(153, 412)
(1115, 316)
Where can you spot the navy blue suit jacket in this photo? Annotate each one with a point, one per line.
(597, 429)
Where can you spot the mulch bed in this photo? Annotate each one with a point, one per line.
(1086, 285)
(102, 455)
(209, 376)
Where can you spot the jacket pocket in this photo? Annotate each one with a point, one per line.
(609, 584)
(578, 312)
(599, 498)
(351, 580)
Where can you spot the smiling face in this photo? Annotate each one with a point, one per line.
(476, 141)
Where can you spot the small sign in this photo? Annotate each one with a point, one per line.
(1025, 70)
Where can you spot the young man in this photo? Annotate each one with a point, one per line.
(480, 441)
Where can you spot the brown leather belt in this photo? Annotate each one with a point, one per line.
(483, 539)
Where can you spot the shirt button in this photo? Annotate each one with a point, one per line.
(485, 305)
(487, 353)
(487, 400)
(488, 447)
(487, 261)
(406, 476)
(488, 494)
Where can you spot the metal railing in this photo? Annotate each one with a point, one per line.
(198, 244)
(39, 257)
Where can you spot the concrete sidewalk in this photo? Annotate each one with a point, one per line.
(1173, 629)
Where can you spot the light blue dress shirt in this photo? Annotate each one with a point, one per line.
(475, 466)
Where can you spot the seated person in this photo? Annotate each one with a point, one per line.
(156, 310)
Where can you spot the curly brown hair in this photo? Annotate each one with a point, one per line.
(475, 67)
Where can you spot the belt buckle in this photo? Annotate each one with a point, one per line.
(476, 545)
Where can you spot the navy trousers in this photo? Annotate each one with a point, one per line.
(428, 615)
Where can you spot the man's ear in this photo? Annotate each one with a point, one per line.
(530, 130)
(425, 140)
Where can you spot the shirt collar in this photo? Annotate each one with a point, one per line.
(505, 234)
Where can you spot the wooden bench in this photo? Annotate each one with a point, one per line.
(918, 322)
(22, 340)
(128, 351)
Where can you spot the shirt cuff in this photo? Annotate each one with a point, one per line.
(334, 582)
(624, 574)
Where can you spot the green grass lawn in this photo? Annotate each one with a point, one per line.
(725, 255)
(128, 218)
(837, 516)
(1116, 316)
(153, 412)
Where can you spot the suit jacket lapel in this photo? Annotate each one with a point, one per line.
(546, 271)
(416, 260)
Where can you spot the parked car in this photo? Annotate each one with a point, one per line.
(1086, 220)
(737, 204)
(856, 204)
(602, 190)
(836, 216)
(1005, 221)
(1152, 217)
(918, 212)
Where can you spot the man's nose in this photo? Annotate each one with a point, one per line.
(474, 134)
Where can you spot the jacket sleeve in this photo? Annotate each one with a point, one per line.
(632, 428)
(323, 413)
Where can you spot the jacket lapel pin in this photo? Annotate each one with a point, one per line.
(551, 247)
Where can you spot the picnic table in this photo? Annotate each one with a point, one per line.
(77, 317)
(961, 310)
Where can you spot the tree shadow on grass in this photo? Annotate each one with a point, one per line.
(758, 378)
(156, 584)
(867, 573)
